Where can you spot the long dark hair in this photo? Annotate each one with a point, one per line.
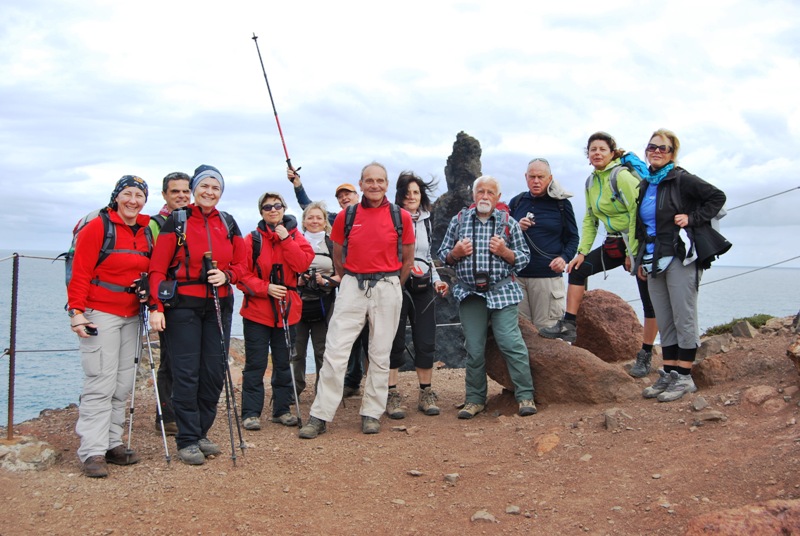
(425, 188)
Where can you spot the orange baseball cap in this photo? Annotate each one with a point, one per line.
(345, 186)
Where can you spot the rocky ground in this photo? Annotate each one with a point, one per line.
(642, 468)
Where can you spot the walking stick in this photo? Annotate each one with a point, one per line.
(144, 315)
(136, 358)
(230, 395)
(274, 110)
(284, 310)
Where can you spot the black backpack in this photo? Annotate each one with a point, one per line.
(397, 220)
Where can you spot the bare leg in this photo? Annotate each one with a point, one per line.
(650, 331)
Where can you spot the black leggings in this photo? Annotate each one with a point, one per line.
(594, 261)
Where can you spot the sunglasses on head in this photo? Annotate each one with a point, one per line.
(651, 148)
(269, 206)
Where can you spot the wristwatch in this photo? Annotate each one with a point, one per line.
(73, 312)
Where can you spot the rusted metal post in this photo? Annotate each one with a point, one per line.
(12, 344)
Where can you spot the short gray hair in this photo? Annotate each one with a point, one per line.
(485, 178)
(543, 161)
(376, 164)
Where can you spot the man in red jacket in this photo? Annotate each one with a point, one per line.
(371, 289)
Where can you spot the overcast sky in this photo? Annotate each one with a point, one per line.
(93, 90)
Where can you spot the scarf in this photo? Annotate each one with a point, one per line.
(314, 238)
(658, 176)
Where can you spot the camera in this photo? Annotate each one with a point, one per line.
(482, 282)
(530, 216)
(311, 280)
(90, 331)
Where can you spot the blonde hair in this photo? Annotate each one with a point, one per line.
(318, 205)
(673, 139)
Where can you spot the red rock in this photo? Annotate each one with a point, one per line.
(771, 517)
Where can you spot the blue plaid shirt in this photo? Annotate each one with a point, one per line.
(505, 290)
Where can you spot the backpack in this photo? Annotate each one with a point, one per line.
(500, 207)
(629, 162)
(257, 249)
(180, 217)
(350, 216)
(109, 241)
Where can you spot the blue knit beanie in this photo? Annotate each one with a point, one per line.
(204, 172)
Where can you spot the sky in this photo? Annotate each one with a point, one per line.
(93, 90)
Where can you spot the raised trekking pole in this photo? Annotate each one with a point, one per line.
(275, 111)
(230, 396)
(144, 314)
(284, 311)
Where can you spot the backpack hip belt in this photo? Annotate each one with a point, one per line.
(112, 287)
(373, 278)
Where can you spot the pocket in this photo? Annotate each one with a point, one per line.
(614, 247)
(557, 303)
(91, 357)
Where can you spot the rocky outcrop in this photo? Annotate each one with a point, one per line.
(25, 453)
(564, 373)
(608, 327)
(770, 517)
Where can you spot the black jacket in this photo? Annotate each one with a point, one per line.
(700, 200)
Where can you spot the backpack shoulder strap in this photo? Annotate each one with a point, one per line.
(256, 250)
(349, 218)
(512, 205)
(229, 223)
(159, 219)
(397, 220)
(109, 237)
(613, 181)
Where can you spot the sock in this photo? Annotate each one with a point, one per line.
(392, 387)
(670, 368)
(647, 347)
(570, 316)
(423, 386)
(683, 370)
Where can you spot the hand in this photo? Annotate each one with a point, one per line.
(216, 277)
(78, 325)
(157, 321)
(640, 273)
(558, 265)
(497, 246)
(276, 291)
(627, 263)
(281, 231)
(681, 220)
(302, 279)
(462, 248)
(293, 176)
(525, 223)
(576, 262)
(441, 288)
(321, 281)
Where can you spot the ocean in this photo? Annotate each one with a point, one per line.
(48, 370)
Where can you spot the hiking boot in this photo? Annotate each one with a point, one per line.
(313, 428)
(394, 405)
(679, 386)
(566, 330)
(287, 419)
(170, 428)
(427, 402)
(208, 447)
(95, 467)
(642, 366)
(370, 425)
(192, 455)
(470, 410)
(252, 423)
(350, 391)
(526, 408)
(659, 387)
(119, 455)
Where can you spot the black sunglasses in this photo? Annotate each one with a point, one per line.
(270, 206)
(653, 148)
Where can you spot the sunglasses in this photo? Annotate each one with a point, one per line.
(270, 206)
(654, 148)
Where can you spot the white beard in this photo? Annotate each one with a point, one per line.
(483, 206)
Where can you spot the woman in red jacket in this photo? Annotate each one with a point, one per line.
(103, 308)
(276, 254)
(186, 311)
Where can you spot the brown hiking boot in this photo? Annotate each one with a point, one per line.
(119, 455)
(427, 402)
(370, 425)
(313, 428)
(170, 428)
(394, 405)
(95, 467)
(470, 410)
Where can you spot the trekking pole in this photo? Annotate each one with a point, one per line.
(274, 110)
(284, 310)
(229, 393)
(137, 355)
(144, 314)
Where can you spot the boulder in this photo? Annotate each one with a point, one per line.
(744, 329)
(25, 453)
(713, 345)
(608, 327)
(770, 517)
(563, 372)
(793, 353)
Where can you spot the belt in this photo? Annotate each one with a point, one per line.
(112, 287)
(373, 278)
